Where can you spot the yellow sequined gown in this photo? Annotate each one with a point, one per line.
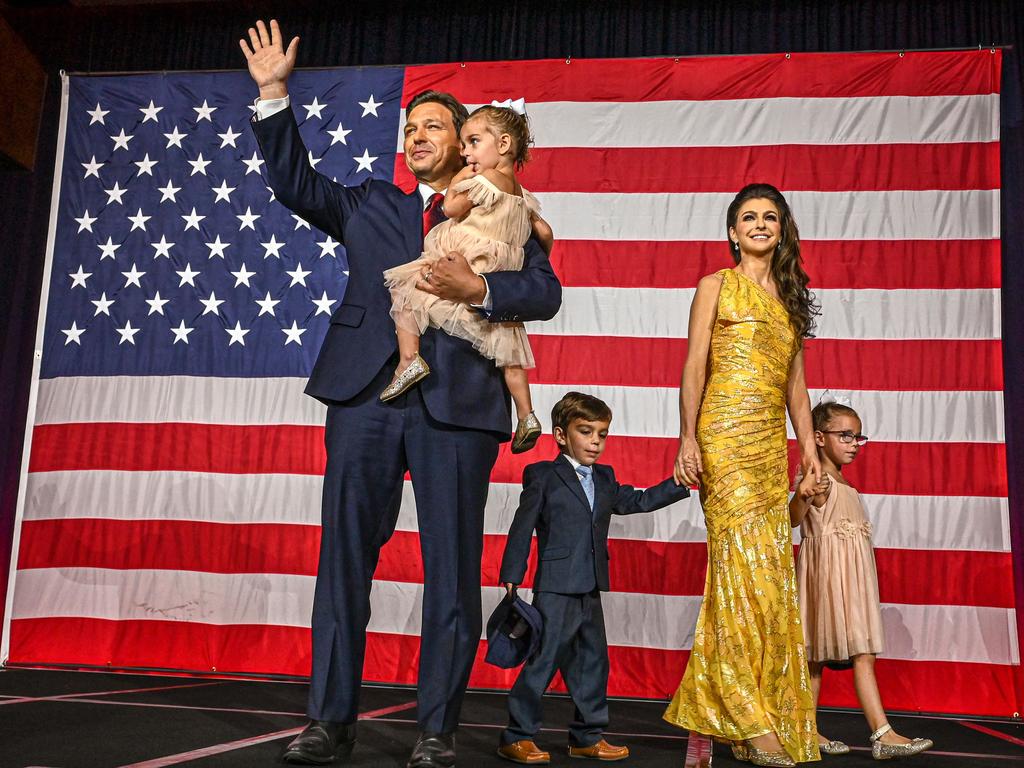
(747, 673)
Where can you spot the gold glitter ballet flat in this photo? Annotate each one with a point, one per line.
(740, 751)
(776, 758)
(527, 432)
(881, 751)
(833, 748)
(415, 372)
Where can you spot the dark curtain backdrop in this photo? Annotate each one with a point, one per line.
(152, 36)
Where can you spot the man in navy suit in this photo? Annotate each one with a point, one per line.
(445, 432)
(569, 503)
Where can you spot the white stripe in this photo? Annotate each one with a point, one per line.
(917, 632)
(901, 522)
(845, 313)
(892, 416)
(760, 122)
(862, 215)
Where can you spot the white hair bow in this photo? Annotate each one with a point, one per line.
(828, 397)
(518, 106)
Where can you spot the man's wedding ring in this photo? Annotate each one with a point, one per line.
(426, 277)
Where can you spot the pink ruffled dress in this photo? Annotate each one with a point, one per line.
(491, 237)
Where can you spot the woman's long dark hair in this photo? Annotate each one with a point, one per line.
(787, 268)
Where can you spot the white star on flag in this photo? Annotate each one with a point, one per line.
(163, 248)
(92, 168)
(228, 138)
(156, 304)
(181, 332)
(247, 219)
(115, 193)
(108, 249)
(370, 107)
(223, 192)
(252, 165)
(132, 277)
(273, 248)
(328, 246)
(204, 112)
(267, 305)
(85, 222)
(174, 138)
(323, 305)
(217, 247)
(313, 109)
(313, 161)
(169, 192)
(237, 334)
(127, 333)
(192, 219)
(298, 275)
(146, 165)
(199, 165)
(150, 112)
(121, 140)
(338, 135)
(139, 221)
(102, 304)
(73, 333)
(187, 276)
(97, 114)
(79, 277)
(293, 334)
(365, 161)
(242, 276)
(211, 304)
(300, 222)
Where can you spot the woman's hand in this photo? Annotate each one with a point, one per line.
(688, 465)
(811, 466)
(808, 488)
(269, 63)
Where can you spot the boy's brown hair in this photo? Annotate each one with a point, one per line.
(578, 405)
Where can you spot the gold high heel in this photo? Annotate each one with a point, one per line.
(776, 758)
(740, 751)
(881, 751)
(416, 371)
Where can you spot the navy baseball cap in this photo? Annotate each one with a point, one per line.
(513, 632)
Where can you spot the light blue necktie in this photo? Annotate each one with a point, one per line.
(587, 481)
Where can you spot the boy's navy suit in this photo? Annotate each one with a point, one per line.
(445, 432)
(572, 571)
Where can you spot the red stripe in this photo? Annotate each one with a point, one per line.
(890, 264)
(798, 75)
(922, 577)
(992, 732)
(869, 364)
(932, 469)
(979, 689)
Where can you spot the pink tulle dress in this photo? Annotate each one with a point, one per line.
(491, 237)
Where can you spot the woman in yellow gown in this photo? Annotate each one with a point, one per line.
(747, 679)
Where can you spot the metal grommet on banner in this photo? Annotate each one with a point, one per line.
(902, 54)
(463, 65)
(789, 55)
(568, 59)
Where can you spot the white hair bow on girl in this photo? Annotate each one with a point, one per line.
(828, 397)
(518, 106)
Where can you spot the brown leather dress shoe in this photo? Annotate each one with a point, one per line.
(602, 750)
(525, 752)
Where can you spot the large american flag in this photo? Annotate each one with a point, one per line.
(169, 515)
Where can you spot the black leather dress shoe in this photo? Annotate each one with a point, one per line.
(321, 742)
(433, 750)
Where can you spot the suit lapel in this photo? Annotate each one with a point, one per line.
(411, 210)
(565, 471)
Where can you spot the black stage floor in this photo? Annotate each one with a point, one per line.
(61, 719)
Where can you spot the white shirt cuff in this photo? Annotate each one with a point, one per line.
(267, 107)
(486, 305)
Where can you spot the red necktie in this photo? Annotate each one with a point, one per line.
(434, 212)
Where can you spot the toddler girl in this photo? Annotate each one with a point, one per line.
(836, 576)
(490, 217)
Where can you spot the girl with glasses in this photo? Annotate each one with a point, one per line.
(839, 605)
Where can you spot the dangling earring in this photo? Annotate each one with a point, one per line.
(781, 243)
(735, 246)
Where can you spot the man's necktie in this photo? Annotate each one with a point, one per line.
(587, 481)
(433, 214)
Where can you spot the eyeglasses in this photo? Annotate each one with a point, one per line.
(846, 436)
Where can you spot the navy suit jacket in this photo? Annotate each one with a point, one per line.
(381, 227)
(572, 540)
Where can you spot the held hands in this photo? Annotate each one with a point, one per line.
(808, 488)
(810, 467)
(451, 278)
(509, 587)
(688, 466)
(269, 64)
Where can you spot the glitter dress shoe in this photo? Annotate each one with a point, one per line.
(882, 751)
(433, 750)
(525, 752)
(740, 751)
(775, 758)
(527, 432)
(320, 743)
(415, 372)
(602, 750)
(833, 748)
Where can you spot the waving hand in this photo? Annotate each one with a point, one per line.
(269, 63)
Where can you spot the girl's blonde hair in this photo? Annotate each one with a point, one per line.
(504, 120)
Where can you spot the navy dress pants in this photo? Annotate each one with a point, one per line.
(370, 445)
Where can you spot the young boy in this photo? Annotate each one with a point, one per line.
(569, 502)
